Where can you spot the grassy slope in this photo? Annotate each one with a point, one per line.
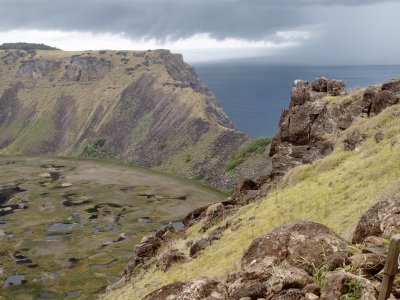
(334, 191)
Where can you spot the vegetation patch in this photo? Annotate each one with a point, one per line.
(355, 289)
(239, 156)
(140, 131)
(91, 150)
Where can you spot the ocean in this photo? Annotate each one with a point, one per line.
(253, 95)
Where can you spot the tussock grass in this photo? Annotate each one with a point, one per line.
(333, 191)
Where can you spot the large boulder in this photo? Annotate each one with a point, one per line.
(203, 288)
(249, 284)
(198, 289)
(303, 244)
(382, 100)
(392, 85)
(381, 220)
(368, 263)
(198, 246)
(168, 292)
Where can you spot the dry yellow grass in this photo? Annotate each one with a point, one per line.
(333, 191)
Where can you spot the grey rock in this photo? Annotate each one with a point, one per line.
(299, 244)
(198, 246)
(381, 220)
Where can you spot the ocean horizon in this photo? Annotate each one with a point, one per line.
(253, 95)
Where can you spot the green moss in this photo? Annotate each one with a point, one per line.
(238, 157)
(39, 130)
(14, 128)
(140, 131)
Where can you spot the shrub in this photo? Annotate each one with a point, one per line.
(91, 149)
(26, 46)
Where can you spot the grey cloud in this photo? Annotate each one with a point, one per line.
(344, 31)
(247, 19)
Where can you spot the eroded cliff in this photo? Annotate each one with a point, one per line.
(148, 108)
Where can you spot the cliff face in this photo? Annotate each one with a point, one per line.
(148, 108)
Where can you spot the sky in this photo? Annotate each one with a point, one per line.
(313, 32)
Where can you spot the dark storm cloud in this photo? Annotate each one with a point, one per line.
(247, 19)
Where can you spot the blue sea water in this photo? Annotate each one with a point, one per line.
(253, 95)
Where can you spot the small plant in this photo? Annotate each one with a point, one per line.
(188, 158)
(162, 146)
(355, 289)
(356, 248)
(319, 275)
(199, 176)
(99, 143)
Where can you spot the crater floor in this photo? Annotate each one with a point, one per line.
(68, 226)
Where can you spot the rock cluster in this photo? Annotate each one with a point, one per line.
(309, 120)
(303, 260)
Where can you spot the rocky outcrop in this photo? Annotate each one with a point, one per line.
(308, 127)
(9, 58)
(37, 68)
(381, 220)
(86, 68)
(294, 261)
(301, 138)
(170, 258)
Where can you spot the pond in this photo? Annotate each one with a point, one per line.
(63, 226)
(14, 280)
